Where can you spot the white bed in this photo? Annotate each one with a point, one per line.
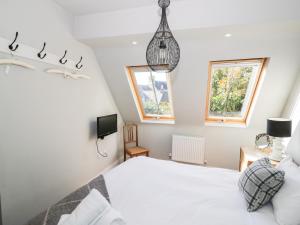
(155, 192)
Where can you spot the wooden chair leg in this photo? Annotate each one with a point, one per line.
(124, 156)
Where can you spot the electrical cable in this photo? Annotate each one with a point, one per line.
(103, 154)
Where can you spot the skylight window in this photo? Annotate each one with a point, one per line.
(232, 87)
(152, 93)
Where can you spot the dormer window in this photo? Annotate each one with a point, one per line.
(232, 88)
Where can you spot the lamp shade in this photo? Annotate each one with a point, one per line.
(163, 52)
(279, 127)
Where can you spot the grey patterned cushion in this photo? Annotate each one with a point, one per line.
(259, 183)
(52, 215)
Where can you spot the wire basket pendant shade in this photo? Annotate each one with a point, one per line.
(163, 52)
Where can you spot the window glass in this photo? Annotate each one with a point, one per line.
(152, 91)
(232, 87)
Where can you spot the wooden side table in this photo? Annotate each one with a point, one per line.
(250, 154)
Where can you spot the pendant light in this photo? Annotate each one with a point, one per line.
(163, 52)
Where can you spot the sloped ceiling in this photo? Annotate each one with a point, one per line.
(280, 42)
(259, 29)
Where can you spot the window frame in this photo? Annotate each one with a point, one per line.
(138, 101)
(209, 120)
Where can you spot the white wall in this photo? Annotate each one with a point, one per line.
(292, 107)
(294, 145)
(189, 82)
(222, 144)
(292, 111)
(47, 123)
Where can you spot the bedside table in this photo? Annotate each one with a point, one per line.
(250, 154)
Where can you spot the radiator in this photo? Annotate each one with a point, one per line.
(188, 149)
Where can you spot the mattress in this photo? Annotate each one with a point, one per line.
(148, 191)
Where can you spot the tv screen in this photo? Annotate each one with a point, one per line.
(106, 125)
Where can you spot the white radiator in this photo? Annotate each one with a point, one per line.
(188, 149)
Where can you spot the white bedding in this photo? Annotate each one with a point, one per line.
(155, 192)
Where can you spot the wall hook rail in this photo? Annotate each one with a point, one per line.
(78, 66)
(40, 53)
(11, 46)
(71, 68)
(64, 61)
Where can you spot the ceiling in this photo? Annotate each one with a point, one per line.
(82, 7)
(276, 30)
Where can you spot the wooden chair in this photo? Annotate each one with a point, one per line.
(131, 143)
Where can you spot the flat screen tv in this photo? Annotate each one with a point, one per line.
(107, 125)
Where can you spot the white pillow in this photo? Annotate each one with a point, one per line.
(92, 210)
(109, 217)
(286, 202)
(286, 163)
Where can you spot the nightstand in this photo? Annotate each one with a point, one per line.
(250, 154)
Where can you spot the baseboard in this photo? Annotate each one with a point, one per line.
(108, 168)
(112, 165)
(170, 158)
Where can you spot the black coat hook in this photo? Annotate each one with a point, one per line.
(65, 61)
(11, 46)
(40, 53)
(79, 66)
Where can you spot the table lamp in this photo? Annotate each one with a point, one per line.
(278, 128)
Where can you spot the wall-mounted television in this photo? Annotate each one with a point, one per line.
(107, 125)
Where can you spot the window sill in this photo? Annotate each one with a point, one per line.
(172, 122)
(234, 125)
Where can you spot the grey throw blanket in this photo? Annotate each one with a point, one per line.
(52, 215)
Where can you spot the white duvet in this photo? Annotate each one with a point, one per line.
(155, 192)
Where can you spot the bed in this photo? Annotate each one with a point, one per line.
(149, 191)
